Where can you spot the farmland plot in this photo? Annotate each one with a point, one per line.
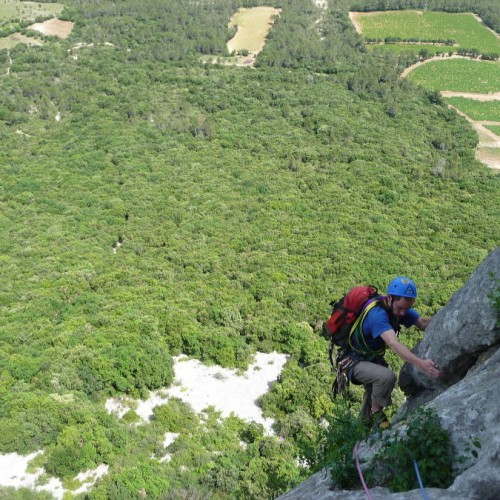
(464, 28)
(458, 75)
(476, 109)
(253, 27)
(494, 128)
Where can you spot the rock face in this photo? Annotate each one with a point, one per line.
(464, 339)
(458, 333)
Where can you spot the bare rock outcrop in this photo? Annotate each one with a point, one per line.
(457, 334)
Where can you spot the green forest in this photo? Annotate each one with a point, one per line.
(153, 205)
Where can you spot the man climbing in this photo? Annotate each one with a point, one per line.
(378, 327)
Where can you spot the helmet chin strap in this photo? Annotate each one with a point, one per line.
(393, 319)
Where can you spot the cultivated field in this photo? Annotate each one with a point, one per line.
(54, 27)
(253, 26)
(475, 109)
(494, 128)
(26, 11)
(464, 28)
(458, 75)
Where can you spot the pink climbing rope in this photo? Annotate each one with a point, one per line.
(358, 466)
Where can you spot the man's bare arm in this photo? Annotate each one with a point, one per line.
(422, 323)
(426, 365)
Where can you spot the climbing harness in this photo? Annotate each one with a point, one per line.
(359, 337)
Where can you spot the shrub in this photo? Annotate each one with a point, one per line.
(144, 480)
(175, 416)
(79, 447)
(341, 435)
(427, 444)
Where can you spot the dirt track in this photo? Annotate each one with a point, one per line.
(494, 96)
(488, 149)
(354, 16)
(435, 58)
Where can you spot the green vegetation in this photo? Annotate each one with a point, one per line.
(458, 75)
(340, 437)
(153, 205)
(487, 10)
(414, 49)
(455, 30)
(425, 442)
(11, 10)
(494, 128)
(24, 494)
(477, 110)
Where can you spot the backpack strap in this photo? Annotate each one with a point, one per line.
(394, 322)
(359, 336)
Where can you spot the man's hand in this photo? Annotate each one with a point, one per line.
(422, 323)
(426, 365)
(429, 367)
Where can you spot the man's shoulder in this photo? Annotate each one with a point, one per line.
(375, 318)
(378, 311)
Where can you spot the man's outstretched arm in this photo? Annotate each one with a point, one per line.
(426, 365)
(422, 323)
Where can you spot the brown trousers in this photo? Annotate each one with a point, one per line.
(379, 383)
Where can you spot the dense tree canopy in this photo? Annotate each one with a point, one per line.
(152, 205)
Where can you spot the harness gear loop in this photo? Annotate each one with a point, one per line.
(341, 383)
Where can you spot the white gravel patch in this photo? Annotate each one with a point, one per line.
(198, 385)
(13, 473)
(202, 386)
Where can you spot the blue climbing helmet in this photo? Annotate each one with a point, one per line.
(402, 287)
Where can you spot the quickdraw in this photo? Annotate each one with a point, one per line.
(341, 383)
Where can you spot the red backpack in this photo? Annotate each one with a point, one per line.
(345, 312)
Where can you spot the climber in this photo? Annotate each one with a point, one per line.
(378, 328)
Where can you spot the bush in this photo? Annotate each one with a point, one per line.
(425, 443)
(79, 447)
(175, 416)
(336, 452)
(146, 480)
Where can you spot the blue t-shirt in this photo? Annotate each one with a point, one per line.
(377, 322)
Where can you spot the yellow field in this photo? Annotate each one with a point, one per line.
(253, 26)
(54, 27)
